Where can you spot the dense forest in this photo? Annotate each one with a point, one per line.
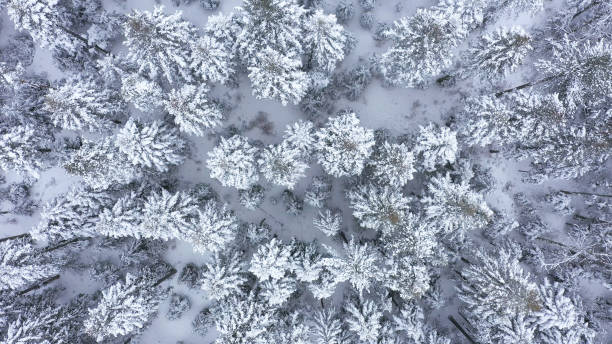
(305, 171)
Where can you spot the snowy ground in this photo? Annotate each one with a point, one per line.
(398, 110)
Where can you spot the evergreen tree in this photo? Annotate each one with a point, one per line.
(22, 265)
(281, 165)
(578, 72)
(324, 41)
(572, 153)
(146, 95)
(278, 291)
(223, 276)
(43, 19)
(300, 135)
(560, 317)
(364, 319)
(270, 25)
(71, 215)
(212, 60)
(81, 104)
(233, 163)
(278, 76)
(488, 120)
(318, 192)
(21, 150)
(422, 47)
(243, 320)
(213, 229)
(499, 52)
(124, 308)
(378, 207)
(358, 265)
(167, 216)
(271, 261)
(470, 13)
(436, 146)
(329, 223)
(497, 289)
(158, 43)
(154, 146)
(101, 165)
(343, 146)
(192, 110)
(393, 164)
(454, 207)
(123, 218)
(327, 328)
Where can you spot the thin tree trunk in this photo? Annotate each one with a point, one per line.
(38, 285)
(343, 237)
(15, 237)
(84, 40)
(62, 244)
(583, 193)
(168, 275)
(463, 331)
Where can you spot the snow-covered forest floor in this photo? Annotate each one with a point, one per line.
(497, 232)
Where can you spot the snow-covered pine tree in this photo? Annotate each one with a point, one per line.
(300, 135)
(282, 165)
(379, 208)
(212, 229)
(124, 308)
(499, 52)
(212, 60)
(512, 8)
(233, 162)
(488, 120)
(364, 319)
(407, 276)
(274, 25)
(343, 146)
(454, 207)
(589, 81)
(496, 289)
(193, 111)
(22, 150)
(436, 146)
(223, 276)
(101, 165)
(414, 238)
(252, 197)
(422, 47)
(153, 145)
(81, 104)
(123, 218)
(318, 192)
(277, 76)
(324, 41)
(328, 222)
(244, 320)
(471, 13)
(573, 152)
(159, 43)
(359, 264)
(271, 261)
(393, 164)
(71, 215)
(167, 216)
(23, 265)
(43, 19)
(145, 94)
(277, 291)
(327, 328)
(306, 261)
